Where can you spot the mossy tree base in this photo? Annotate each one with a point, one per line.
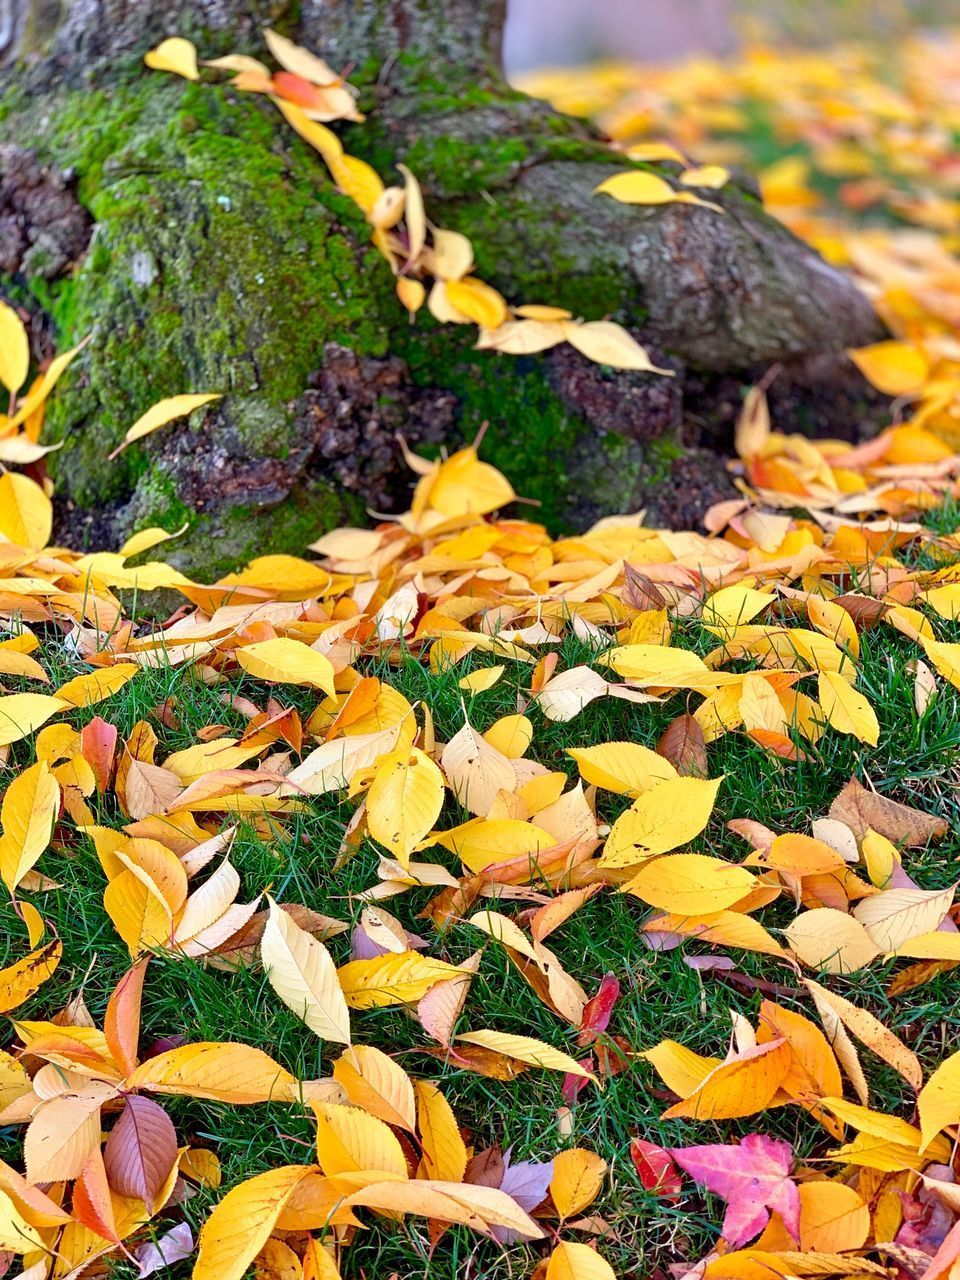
(224, 260)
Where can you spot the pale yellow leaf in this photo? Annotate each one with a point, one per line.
(14, 349)
(174, 54)
(303, 975)
(535, 1053)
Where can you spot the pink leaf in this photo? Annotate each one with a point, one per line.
(753, 1178)
(597, 1011)
(141, 1150)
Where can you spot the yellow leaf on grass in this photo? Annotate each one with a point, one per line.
(511, 736)
(175, 54)
(475, 1206)
(14, 349)
(690, 884)
(945, 657)
(894, 916)
(287, 661)
(735, 606)
(30, 808)
(476, 771)
(94, 686)
(627, 768)
(240, 1225)
(653, 665)
(605, 342)
(21, 979)
(895, 368)
(526, 1049)
(378, 1084)
(830, 940)
(63, 1134)
(670, 814)
(833, 1218)
(349, 1139)
(572, 1261)
(482, 680)
(846, 710)
(396, 978)
(22, 713)
(444, 1151)
(939, 1102)
(303, 975)
(870, 1031)
(14, 1081)
(576, 1181)
(26, 513)
(741, 1086)
(404, 801)
(43, 386)
(483, 842)
(220, 1071)
(356, 179)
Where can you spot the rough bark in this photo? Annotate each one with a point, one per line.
(223, 259)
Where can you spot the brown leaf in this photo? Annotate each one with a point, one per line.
(683, 745)
(915, 975)
(861, 809)
(141, 1150)
(866, 611)
(486, 1169)
(639, 591)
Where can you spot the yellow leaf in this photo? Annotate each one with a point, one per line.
(404, 801)
(894, 916)
(477, 300)
(511, 736)
(375, 1082)
(870, 1031)
(654, 151)
(21, 979)
(26, 513)
(573, 1261)
(287, 661)
(219, 1071)
(566, 694)
(576, 1181)
(317, 135)
(14, 349)
(42, 387)
(452, 254)
(22, 713)
(14, 1081)
(85, 690)
(414, 215)
(708, 175)
(741, 1086)
(444, 1151)
(483, 842)
(243, 1221)
(476, 771)
(411, 294)
(463, 485)
(30, 808)
(175, 54)
(895, 368)
(627, 768)
(301, 972)
(653, 666)
(690, 884)
(145, 539)
(349, 1139)
(945, 657)
(639, 187)
(846, 710)
(396, 978)
(475, 1206)
(356, 179)
(482, 680)
(162, 412)
(668, 815)
(735, 606)
(605, 342)
(63, 1134)
(526, 1049)
(830, 940)
(939, 1102)
(833, 1218)
(522, 337)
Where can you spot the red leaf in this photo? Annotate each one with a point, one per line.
(141, 1150)
(573, 1084)
(683, 745)
(98, 745)
(121, 1025)
(92, 1205)
(655, 1168)
(597, 1010)
(753, 1177)
(286, 84)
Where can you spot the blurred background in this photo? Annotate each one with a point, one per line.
(563, 32)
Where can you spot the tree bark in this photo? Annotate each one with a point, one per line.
(223, 259)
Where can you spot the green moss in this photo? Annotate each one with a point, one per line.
(450, 164)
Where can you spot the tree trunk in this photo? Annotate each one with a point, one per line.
(223, 259)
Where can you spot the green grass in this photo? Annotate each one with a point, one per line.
(662, 996)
